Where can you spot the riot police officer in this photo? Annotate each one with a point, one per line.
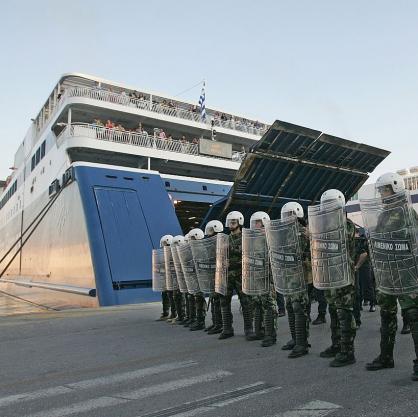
(333, 251)
(392, 230)
(167, 295)
(297, 277)
(212, 228)
(257, 281)
(229, 277)
(199, 298)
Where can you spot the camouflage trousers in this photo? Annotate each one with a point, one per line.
(265, 312)
(298, 309)
(343, 326)
(235, 284)
(389, 320)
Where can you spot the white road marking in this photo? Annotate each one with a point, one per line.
(81, 407)
(172, 385)
(94, 382)
(312, 409)
(222, 403)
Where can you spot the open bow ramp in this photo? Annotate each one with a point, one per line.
(295, 163)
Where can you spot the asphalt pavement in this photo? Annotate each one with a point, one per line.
(121, 362)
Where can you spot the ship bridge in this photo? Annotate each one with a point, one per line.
(295, 163)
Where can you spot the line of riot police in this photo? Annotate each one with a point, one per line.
(290, 256)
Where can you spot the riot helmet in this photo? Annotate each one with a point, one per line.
(258, 220)
(232, 217)
(389, 184)
(166, 240)
(332, 195)
(292, 209)
(178, 239)
(213, 227)
(196, 234)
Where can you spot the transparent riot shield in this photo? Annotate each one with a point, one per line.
(158, 270)
(204, 256)
(222, 262)
(331, 263)
(170, 271)
(255, 262)
(181, 282)
(392, 230)
(285, 252)
(186, 259)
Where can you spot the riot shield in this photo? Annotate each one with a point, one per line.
(158, 270)
(392, 235)
(186, 259)
(331, 263)
(222, 262)
(255, 262)
(170, 271)
(181, 282)
(204, 256)
(285, 252)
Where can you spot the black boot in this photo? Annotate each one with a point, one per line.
(227, 329)
(301, 346)
(414, 376)
(406, 328)
(412, 316)
(320, 319)
(217, 328)
(173, 313)
(335, 335)
(247, 315)
(178, 301)
(200, 313)
(269, 328)
(388, 328)
(166, 306)
(258, 324)
(192, 311)
(348, 332)
(292, 326)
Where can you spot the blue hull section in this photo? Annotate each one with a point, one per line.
(126, 214)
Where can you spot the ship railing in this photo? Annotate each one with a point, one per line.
(162, 108)
(141, 139)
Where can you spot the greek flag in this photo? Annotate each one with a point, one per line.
(202, 103)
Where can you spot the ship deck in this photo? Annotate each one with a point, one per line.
(119, 361)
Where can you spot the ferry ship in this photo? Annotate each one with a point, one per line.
(106, 169)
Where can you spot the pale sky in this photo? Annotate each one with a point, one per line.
(347, 68)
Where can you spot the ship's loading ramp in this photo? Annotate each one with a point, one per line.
(295, 163)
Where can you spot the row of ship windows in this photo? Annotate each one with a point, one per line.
(38, 156)
(8, 195)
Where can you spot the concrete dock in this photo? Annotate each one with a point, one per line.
(115, 362)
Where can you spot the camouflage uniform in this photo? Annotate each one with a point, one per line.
(360, 248)
(265, 311)
(235, 283)
(389, 309)
(340, 306)
(298, 305)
